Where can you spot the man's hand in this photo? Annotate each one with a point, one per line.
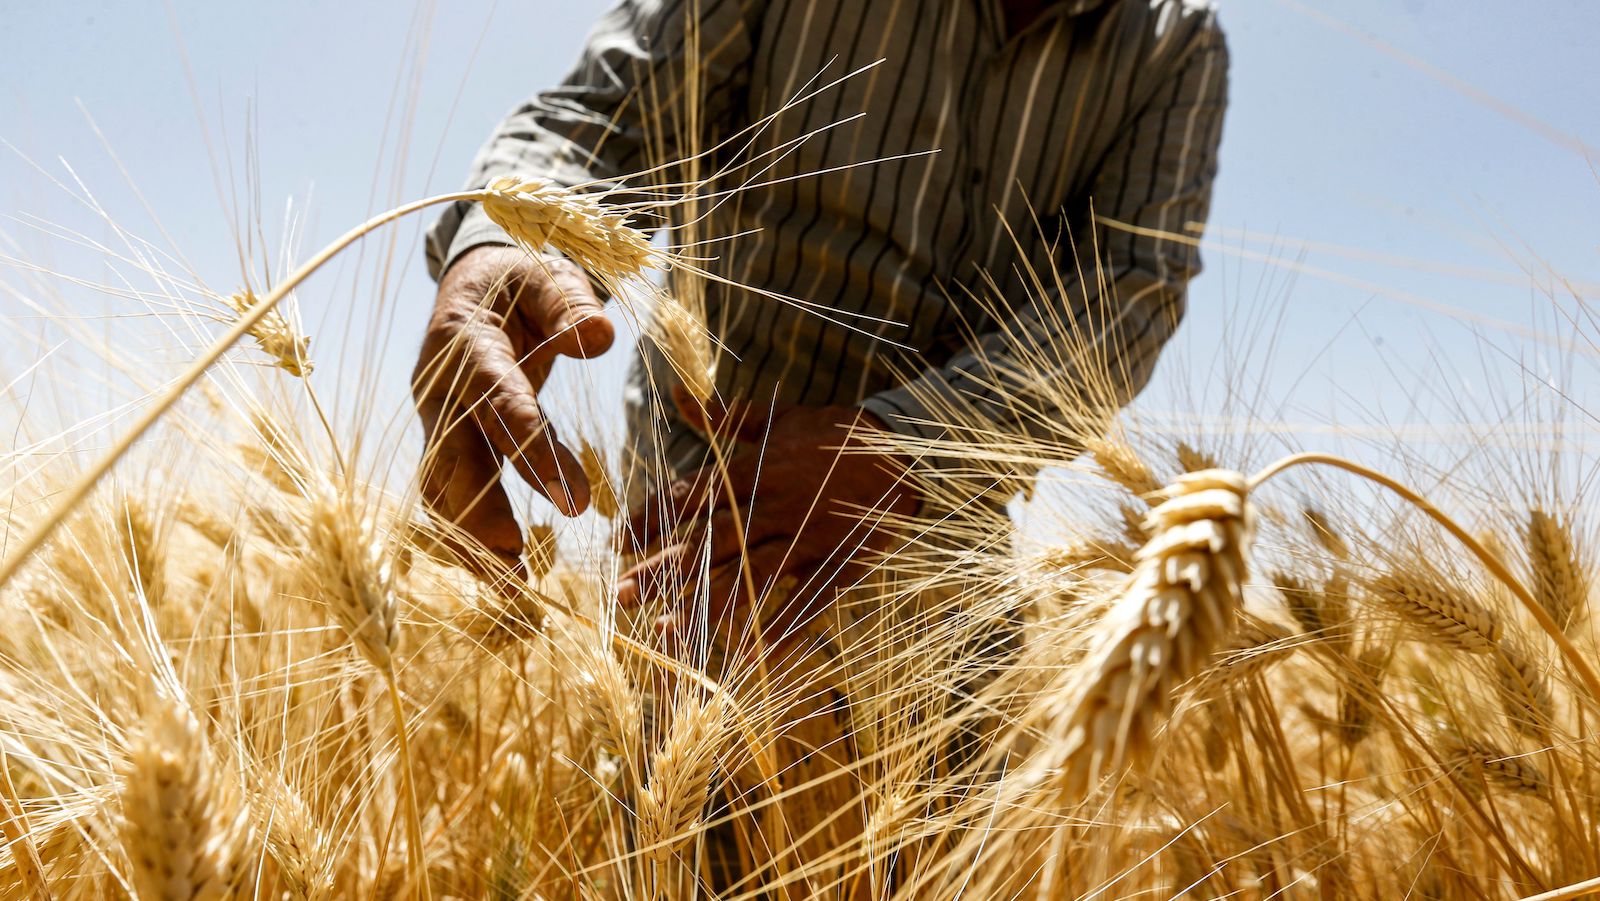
(501, 318)
(808, 508)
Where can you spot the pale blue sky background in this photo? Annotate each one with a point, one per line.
(1331, 140)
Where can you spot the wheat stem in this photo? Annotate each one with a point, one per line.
(409, 785)
(16, 832)
(1575, 890)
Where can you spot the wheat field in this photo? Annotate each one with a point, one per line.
(239, 659)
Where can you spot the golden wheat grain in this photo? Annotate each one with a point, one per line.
(182, 824)
(295, 839)
(602, 493)
(354, 566)
(274, 335)
(1524, 691)
(613, 703)
(142, 553)
(1447, 616)
(1493, 766)
(1560, 572)
(1178, 608)
(542, 549)
(681, 772)
(1119, 462)
(539, 214)
(1324, 533)
(202, 518)
(1191, 459)
(1134, 528)
(18, 835)
(1301, 602)
(1085, 553)
(683, 340)
(1360, 690)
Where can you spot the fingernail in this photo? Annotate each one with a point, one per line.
(627, 591)
(557, 492)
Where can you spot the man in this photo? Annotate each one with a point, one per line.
(1100, 119)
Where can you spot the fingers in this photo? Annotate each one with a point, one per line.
(745, 421)
(512, 421)
(558, 300)
(661, 512)
(460, 483)
(727, 594)
(665, 572)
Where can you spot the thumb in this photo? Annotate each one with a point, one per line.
(559, 301)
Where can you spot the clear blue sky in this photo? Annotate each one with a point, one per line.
(1410, 189)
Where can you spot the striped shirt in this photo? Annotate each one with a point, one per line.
(1099, 111)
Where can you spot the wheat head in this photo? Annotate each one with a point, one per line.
(181, 823)
(538, 213)
(1178, 608)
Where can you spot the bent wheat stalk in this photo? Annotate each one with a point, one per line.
(529, 211)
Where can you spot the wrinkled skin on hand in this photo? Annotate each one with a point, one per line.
(807, 508)
(501, 318)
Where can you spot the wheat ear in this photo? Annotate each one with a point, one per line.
(680, 778)
(682, 338)
(350, 562)
(1574, 657)
(602, 493)
(274, 335)
(1447, 616)
(1119, 462)
(181, 823)
(1179, 607)
(357, 566)
(538, 214)
(1524, 692)
(1497, 768)
(1560, 574)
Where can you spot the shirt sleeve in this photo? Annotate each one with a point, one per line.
(1086, 339)
(620, 110)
